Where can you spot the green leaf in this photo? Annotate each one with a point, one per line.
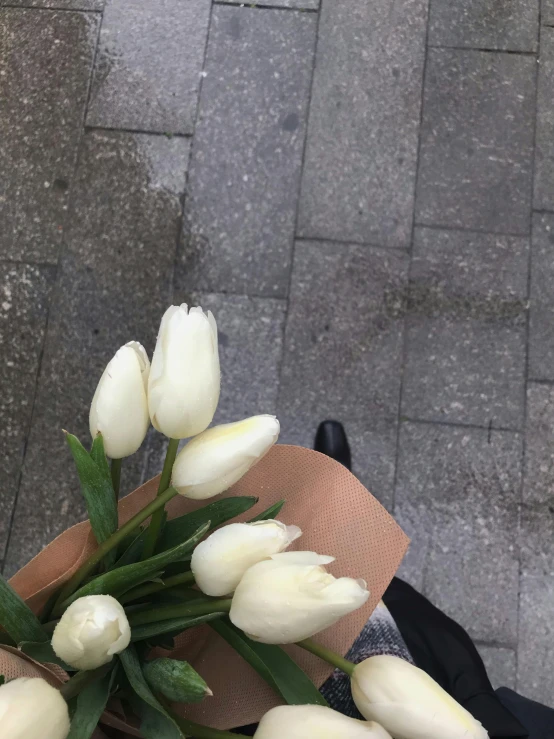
(155, 725)
(17, 618)
(270, 512)
(176, 680)
(90, 705)
(48, 606)
(97, 491)
(217, 513)
(170, 626)
(274, 665)
(98, 455)
(42, 651)
(131, 553)
(131, 665)
(116, 582)
(2, 679)
(7, 640)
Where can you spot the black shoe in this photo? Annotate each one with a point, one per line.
(331, 440)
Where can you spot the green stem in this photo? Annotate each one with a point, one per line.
(179, 611)
(327, 655)
(81, 679)
(156, 522)
(116, 476)
(85, 569)
(185, 578)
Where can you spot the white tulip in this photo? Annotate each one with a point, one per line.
(91, 631)
(219, 562)
(119, 408)
(31, 708)
(409, 703)
(213, 461)
(290, 597)
(183, 389)
(315, 722)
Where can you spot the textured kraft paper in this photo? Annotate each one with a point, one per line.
(337, 516)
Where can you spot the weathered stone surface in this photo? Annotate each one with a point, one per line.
(150, 57)
(466, 328)
(126, 207)
(24, 297)
(361, 155)
(544, 154)
(95, 5)
(300, 4)
(46, 63)
(538, 482)
(541, 320)
(535, 678)
(457, 496)
(477, 132)
(343, 353)
(245, 169)
(485, 24)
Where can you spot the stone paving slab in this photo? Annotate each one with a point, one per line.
(485, 24)
(541, 319)
(299, 4)
(500, 664)
(475, 163)
(94, 5)
(539, 462)
(536, 535)
(537, 514)
(147, 72)
(127, 192)
(457, 495)
(544, 156)
(547, 12)
(536, 538)
(535, 677)
(47, 58)
(343, 345)
(359, 174)
(466, 328)
(24, 299)
(245, 169)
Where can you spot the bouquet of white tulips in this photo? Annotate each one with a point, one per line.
(99, 647)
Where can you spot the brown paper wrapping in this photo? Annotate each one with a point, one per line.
(337, 516)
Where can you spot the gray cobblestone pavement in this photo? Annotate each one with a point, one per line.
(363, 192)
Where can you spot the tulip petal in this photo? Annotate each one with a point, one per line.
(290, 597)
(219, 562)
(408, 702)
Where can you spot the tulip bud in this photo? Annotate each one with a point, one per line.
(119, 408)
(305, 722)
(219, 562)
(213, 461)
(31, 708)
(409, 703)
(183, 389)
(91, 631)
(290, 597)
